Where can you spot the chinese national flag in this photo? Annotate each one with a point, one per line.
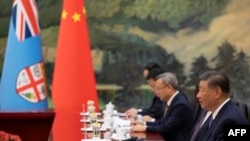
(73, 80)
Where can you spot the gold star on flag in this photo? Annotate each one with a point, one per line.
(64, 14)
(76, 17)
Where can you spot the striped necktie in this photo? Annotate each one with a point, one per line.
(198, 126)
(165, 109)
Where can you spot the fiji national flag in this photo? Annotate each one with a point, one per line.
(23, 77)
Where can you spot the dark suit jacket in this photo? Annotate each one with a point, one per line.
(178, 122)
(228, 115)
(202, 129)
(155, 110)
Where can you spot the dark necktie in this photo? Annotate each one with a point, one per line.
(203, 129)
(198, 126)
(210, 120)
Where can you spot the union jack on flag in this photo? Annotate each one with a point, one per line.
(25, 19)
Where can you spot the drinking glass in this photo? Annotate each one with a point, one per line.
(96, 134)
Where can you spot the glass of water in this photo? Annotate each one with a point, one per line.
(96, 134)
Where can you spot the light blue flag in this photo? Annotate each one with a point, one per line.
(23, 84)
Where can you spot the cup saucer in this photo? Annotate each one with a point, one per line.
(114, 137)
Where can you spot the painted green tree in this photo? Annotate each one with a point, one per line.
(241, 70)
(155, 15)
(224, 58)
(199, 66)
(236, 66)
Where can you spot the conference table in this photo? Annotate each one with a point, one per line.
(106, 134)
(28, 125)
(141, 136)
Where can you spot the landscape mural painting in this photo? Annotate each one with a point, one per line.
(186, 37)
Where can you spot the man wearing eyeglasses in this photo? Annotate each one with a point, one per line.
(177, 120)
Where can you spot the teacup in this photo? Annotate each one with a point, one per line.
(107, 114)
(108, 122)
(121, 133)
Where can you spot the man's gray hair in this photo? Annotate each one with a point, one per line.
(169, 78)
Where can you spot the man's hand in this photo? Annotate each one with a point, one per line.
(138, 128)
(147, 118)
(131, 113)
(136, 122)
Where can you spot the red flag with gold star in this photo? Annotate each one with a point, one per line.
(73, 79)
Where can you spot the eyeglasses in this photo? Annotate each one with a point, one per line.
(157, 89)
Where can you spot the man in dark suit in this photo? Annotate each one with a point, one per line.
(213, 96)
(177, 120)
(151, 70)
(155, 111)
